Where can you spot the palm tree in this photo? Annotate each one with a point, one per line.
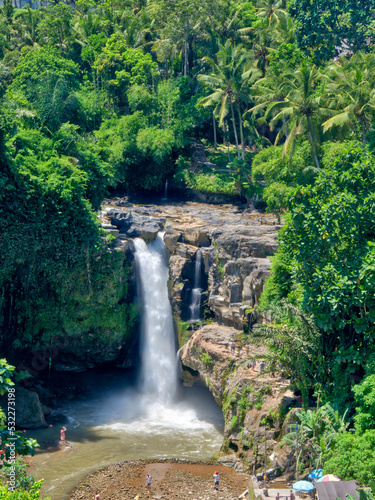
(54, 101)
(272, 11)
(352, 89)
(300, 108)
(268, 90)
(227, 82)
(316, 430)
(84, 25)
(297, 344)
(27, 21)
(265, 40)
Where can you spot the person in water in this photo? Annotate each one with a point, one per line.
(62, 434)
(148, 481)
(216, 480)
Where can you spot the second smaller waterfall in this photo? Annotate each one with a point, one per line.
(165, 190)
(196, 293)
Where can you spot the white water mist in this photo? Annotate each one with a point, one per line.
(158, 376)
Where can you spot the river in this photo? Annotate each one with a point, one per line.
(120, 425)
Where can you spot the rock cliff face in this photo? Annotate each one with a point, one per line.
(235, 248)
(253, 403)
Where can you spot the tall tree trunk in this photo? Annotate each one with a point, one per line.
(225, 128)
(312, 142)
(214, 125)
(234, 127)
(241, 132)
(186, 52)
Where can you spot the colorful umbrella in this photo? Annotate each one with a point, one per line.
(316, 474)
(328, 477)
(303, 486)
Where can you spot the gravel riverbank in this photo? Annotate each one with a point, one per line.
(180, 480)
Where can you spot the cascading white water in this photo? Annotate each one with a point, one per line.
(158, 351)
(195, 304)
(166, 190)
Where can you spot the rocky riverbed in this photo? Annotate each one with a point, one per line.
(170, 480)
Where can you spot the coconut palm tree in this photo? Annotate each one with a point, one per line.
(54, 101)
(227, 82)
(352, 90)
(301, 108)
(27, 21)
(266, 39)
(271, 10)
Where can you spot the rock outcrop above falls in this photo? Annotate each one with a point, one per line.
(235, 246)
(135, 225)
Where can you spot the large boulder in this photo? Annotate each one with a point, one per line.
(29, 412)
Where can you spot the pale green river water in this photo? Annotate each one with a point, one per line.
(125, 426)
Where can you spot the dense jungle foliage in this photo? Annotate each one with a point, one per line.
(97, 96)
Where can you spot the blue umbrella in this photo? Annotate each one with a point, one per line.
(316, 474)
(303, 486)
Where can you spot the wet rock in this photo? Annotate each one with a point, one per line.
(146, 230)
(208, 359)
(186, 251)
(57, 418)
(136, 225)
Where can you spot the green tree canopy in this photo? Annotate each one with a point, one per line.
(39, 63)
(330, 237)
(352, 457)
(364, 395)
(325, 26)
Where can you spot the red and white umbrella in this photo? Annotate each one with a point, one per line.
(328, 477)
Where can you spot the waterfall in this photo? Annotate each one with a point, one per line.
(195, 304)
(166, 190)
(158, 354)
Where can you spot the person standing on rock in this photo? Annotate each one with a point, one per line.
(148, 481)
(233, 347)
(62, 434)
(97, 496)
(216, 480)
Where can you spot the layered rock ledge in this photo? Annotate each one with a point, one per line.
(235, 247)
